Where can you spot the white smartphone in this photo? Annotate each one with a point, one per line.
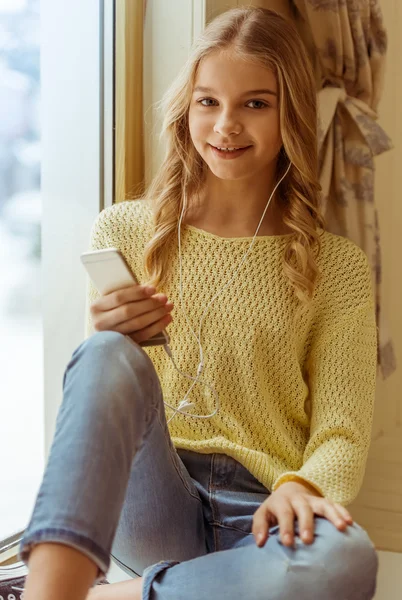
(109, 271)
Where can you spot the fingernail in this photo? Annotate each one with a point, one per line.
(260, 537)
(306, 537)
(288, 538)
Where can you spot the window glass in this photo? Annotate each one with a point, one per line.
(21, 371)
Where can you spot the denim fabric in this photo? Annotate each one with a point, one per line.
(114, 485)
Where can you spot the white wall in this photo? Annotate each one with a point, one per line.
(388, 416)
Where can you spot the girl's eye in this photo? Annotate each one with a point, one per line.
(202, 100)
(264, 104)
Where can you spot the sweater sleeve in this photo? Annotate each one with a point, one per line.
(342, 378)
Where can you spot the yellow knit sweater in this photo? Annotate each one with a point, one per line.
(296, 399)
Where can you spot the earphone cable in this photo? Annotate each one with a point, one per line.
(184, 402)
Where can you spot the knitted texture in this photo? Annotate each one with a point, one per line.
(296, 394)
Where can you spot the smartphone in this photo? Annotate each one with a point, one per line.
(109, 271)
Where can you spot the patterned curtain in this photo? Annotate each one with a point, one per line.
(347, 44)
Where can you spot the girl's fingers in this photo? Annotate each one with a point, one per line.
(305, 518)
(148, 332)
(325, 508)
(121, 296)
(286, 517)
(345, 514)
(331, 511)
(261, 523)
(303, 509)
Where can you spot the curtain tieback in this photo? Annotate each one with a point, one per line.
(328, 100)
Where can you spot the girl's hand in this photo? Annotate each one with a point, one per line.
(133, 311)
(294, 499)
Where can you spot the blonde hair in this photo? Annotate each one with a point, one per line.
(266, 38)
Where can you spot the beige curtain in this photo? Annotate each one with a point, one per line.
(347, 44)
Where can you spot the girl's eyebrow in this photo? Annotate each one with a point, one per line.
(207, 90)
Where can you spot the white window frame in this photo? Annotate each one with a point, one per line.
(77, 160)
(76, 70)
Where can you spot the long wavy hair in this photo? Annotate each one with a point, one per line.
(266, 38)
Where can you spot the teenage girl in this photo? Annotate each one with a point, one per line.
(219, 466)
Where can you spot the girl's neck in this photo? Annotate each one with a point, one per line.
(233, 231)
(219, 225)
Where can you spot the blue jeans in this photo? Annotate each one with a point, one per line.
(114, 485)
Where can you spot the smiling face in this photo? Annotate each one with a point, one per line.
(229, 112)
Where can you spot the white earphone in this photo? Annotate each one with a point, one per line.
(184, 403)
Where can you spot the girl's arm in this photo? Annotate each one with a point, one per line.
(342, 380)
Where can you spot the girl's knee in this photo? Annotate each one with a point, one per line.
(336, 565)
(352, 545)
(349, 558)
(111, 341)
(114, 366)
(116, 349)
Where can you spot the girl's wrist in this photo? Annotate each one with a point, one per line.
(301, 484)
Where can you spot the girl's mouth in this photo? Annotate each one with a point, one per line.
(228, 154)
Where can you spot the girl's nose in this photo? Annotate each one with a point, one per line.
(227, 127)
